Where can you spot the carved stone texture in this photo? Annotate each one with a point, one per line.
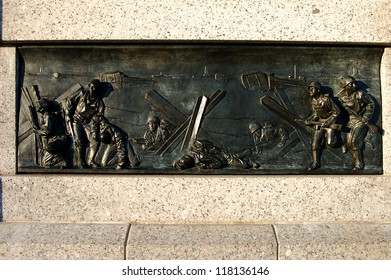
(200, 109)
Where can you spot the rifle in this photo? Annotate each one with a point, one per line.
(335, 126)
(373, 128)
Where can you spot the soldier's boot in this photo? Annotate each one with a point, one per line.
(315, 160)
(358, 160)
(133, 158)
(91, 162)
(80, 162)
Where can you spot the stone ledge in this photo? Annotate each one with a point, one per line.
(202, 242)
(345, 241)
(334, 241)
(278, 20)
(62, 241)
(195, 199)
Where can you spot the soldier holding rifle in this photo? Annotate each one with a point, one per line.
(360, 107)
(325, 113)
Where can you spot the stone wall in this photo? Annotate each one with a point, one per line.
(295, 217)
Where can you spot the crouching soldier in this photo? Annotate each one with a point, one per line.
(113, 135)
(52, 132)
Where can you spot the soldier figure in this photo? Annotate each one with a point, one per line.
(267, 134)
(204, 155)
(360, 107)
(80, 111)
(52, 131)
(325, 113)
(112, 135)
(164, 131)
(150, 136)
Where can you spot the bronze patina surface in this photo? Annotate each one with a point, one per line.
(200, 109)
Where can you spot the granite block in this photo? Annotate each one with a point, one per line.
(334, 241)
(62, 241)
(201, 242)
(278, 20)
(385, 75)
(7, 112)
(196, 199)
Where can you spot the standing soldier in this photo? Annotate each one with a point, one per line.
(325, 113)
(360, 107)
(80, 111)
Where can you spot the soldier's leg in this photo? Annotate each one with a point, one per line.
(122, 153)
(316, 147)
(79, 145)
(331, 138)
(358, 134)
(133, 158)
(93, 145)
(107, 155)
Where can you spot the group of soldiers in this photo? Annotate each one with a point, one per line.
(157, 133)
(360, 107)
(80, 119)
(324, 120)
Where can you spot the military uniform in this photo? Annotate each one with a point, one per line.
(82, 109)
(360, 107)
(204, 155)
(150, 141)
(54, 139)
(113, 135)
(325, 113)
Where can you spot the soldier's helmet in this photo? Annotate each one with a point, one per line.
(316, 85)
(184, 162)
(94, 85)
(153, 119)
(346, 80)
(254, 126)
(43, 105)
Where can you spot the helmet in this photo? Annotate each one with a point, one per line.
(254, 126)
(184, 162)
(316, 85)
(346, 80)
(153, 120)
(43, 104)
(94, 82)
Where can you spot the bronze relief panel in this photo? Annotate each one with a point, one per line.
(200, 109)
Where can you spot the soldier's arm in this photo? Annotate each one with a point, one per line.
(369, 104)
(313, 117)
